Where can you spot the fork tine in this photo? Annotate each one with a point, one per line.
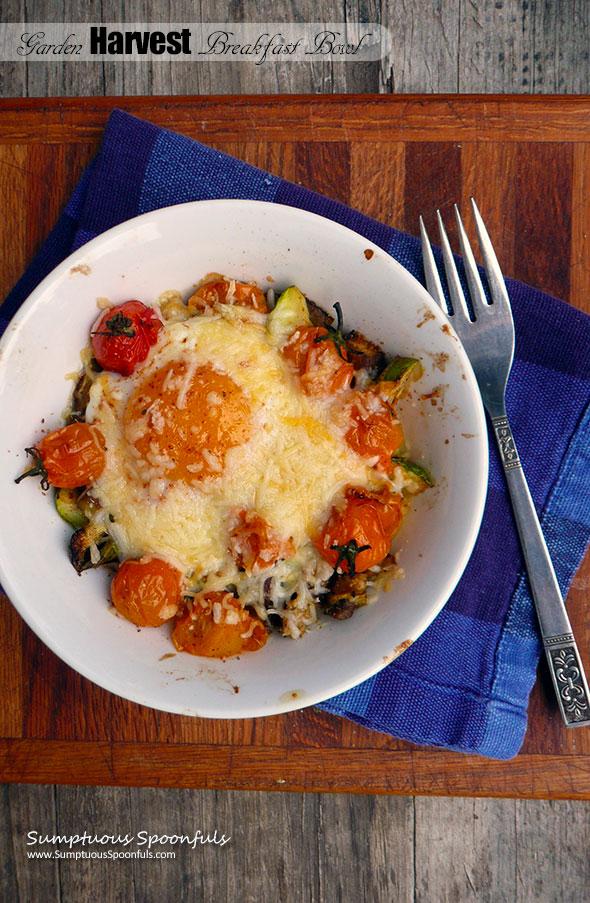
(478, 299)
(493, 271)
(455, 287)
(433, 282)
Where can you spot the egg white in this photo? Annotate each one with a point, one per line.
(290, 471)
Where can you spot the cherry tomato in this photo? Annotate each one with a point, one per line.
(122, 336)
(358, 534)
(69, 457)
(217, 291)
(322, 367)
(146, 591)
(374, 431)
(254, 545)
(218, 627)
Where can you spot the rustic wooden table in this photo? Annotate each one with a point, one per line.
(392, 157)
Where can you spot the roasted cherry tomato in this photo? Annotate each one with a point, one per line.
(254, 545)
(69, 457)
(358, 533)
(122, 336)
(146, 591)
(220, 291)
(216, 626)
(323, 367)
(374, 430)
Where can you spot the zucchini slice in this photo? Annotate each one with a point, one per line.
(289, 312)
(398, 373)
(66, 502)
(415, 471)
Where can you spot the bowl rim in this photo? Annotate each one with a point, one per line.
(77, 257)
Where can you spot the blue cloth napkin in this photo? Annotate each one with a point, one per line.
(464, 684)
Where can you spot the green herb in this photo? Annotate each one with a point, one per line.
(348, 553)
(118, 325)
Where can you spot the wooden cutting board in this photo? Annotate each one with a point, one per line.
(527, 161)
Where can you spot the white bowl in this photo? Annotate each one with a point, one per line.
(173, 248)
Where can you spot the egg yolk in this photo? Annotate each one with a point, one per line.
(184, 418)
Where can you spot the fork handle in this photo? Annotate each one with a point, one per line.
(566, 668)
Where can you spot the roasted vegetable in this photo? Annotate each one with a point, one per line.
(366, 355)
(335, 335)
(357, 535)
(123, 335)
(323, 366)
(81, 393)
(415, 471)
(69, 457)
(347, 593)
(374, 430)
(66, 502)
(220, 290)
(397, 374)
(317, 314)
(289, 312)
(147, 592)
(92, 546)
(235, 631)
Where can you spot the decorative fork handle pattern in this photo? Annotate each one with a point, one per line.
(506, 443)
(568, 678)
(566, 668)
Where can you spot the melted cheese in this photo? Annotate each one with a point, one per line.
(290, 470)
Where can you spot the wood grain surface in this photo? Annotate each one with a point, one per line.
(392, 158)
(506, 47)
(310, 848)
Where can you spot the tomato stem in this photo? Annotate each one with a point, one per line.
(348, 553)
(336, 335)
(117, 325)
(38, 469)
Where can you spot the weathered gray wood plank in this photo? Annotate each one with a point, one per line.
(551, 851)
(496, 48)
(426, 47)
(465, 850)
(24, 809)
(271, 854)
(459, 45)
(98, 811)
(502, 851)
(366, 848)
(320, 848)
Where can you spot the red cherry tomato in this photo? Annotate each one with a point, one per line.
(374, 430)
(358, 534)
(69, 457)
(146, 592)
(321, 366)
(254, 545)
(122, 336)
(216, 626)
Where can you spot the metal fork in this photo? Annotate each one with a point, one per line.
(488, 340)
